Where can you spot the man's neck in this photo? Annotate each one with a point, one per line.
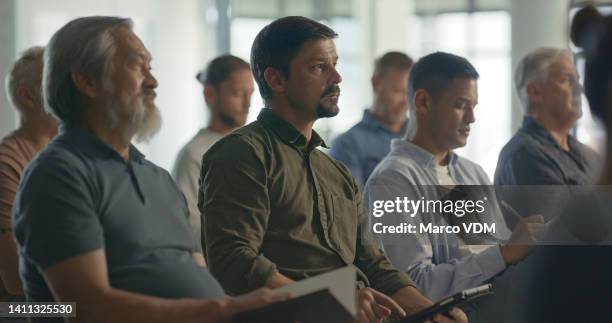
(302, 123)
(220, 128)
(425, 142)
(559, 131)
(394, 127)
(38, 134)
(111, 137)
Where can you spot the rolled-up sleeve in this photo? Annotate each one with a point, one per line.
(235, 207)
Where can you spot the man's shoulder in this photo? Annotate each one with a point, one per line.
(199, 144)
(521, 145)
(468, 163)
(253, 137)
(473, 169)
(9, 155)
(14, 149)
(589, 153)
(395, 167)
(353, 134)
(59, 158)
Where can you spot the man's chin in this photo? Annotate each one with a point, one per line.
(577, 112)
(327, 111)
(459, 143)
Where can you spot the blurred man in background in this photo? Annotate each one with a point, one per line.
(543, 152)
(228, 86)
(363, 146)
(37, 127)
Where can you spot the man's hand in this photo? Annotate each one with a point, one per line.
(373, 306)
(528, 231)
(278, 280)
(456, 316)
(412, 301)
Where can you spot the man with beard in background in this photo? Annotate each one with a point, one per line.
(228, 86)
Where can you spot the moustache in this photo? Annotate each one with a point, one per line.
(331, 89)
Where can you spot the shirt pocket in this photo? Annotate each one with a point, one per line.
(345, 221)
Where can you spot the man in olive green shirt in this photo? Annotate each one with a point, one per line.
(274, 207)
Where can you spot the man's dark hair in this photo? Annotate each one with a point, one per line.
(435, 72)
(279, 42)
(392, 60)
(220, 68)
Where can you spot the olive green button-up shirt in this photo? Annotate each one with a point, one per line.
(271, 202)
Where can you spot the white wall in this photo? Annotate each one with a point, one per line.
(536, 23)
(7, 55)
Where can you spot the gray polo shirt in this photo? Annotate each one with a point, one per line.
(79, 195)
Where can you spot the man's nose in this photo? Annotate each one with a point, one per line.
(336, 77)
(470, 117)
(150, 81)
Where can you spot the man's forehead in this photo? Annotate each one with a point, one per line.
(563, 64)
(130, 44)
(463, 88)
(394, 73)
(320, 48)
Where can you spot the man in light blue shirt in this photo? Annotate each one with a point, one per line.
(443, 93)
(363, 146)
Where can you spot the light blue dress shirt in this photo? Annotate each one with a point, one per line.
(440, 264)
(363, 146)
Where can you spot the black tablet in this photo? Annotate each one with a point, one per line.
(460, 299)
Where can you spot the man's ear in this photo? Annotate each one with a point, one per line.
(26, 97)
(210, 94)
(533, 92)
(422, 101)
(375, 80)
(275, 79)
(85, 85)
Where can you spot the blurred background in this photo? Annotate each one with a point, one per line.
(184, 35)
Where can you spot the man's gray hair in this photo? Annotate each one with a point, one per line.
(534, 67)
(23, 73)
(86, 46)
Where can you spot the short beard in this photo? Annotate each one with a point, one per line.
(323, 112)
(226, 118)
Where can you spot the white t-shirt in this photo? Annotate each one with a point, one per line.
(186, 173)
(443, 175)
